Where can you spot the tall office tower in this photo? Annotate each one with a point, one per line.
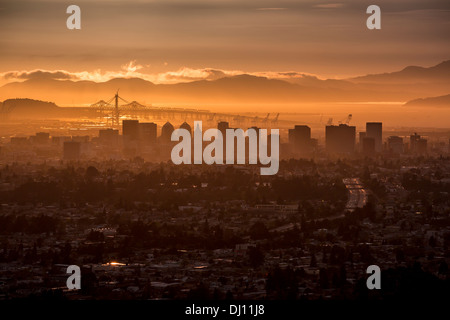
(19, 141)
(422, 146)
(300, 139)
(130, 129)
(42, 138)
(71, 150)
(340, 139)
(81, 139)
(362, 135)
(108, 137)
(375, 130)
(148, 132)
(395, 145)
(59, 140)
(166, 132)
(223, 126)
(417, 144)
(413, 140)
(368, 146)
(252, 151)
(187, 127)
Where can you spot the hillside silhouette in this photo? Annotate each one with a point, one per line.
(37, 109)
(405, 85)
(441, 101)
(29, 106)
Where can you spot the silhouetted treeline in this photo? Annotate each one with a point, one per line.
(166, 186)
(25, 224)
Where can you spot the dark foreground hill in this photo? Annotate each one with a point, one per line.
(29, 108)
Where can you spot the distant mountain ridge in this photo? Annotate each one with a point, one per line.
(410, 74)
(441, 101)
(404, 85)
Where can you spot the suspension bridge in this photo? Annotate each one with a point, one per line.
(112, 110)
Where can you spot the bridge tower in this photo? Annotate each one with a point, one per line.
(116, 115)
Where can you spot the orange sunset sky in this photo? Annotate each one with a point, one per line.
(167, 41)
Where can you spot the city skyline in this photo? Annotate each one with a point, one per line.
(154, 142)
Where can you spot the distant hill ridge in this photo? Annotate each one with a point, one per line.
(441, 101)
(407, 84)
(25, 104)
(410, 73)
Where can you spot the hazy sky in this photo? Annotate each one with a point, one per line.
(172, 38)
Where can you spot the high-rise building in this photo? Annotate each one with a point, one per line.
(422, 146)
(81, 139)
(41, 138)
(19, 141)
(340, 139)
(187, 127)
(395, 145)
(368, 146)
(249, 151)
(418, 144)
(166, 132)
(59, 140)
(300, 139)
(148, 132)
(130, 129)
(223, 126)
(362, 135)
(375, 130)
(108, 137)
(71, 150)
(413, 139)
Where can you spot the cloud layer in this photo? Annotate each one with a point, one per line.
(132, 69)
(128, 70)
(39, 75)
